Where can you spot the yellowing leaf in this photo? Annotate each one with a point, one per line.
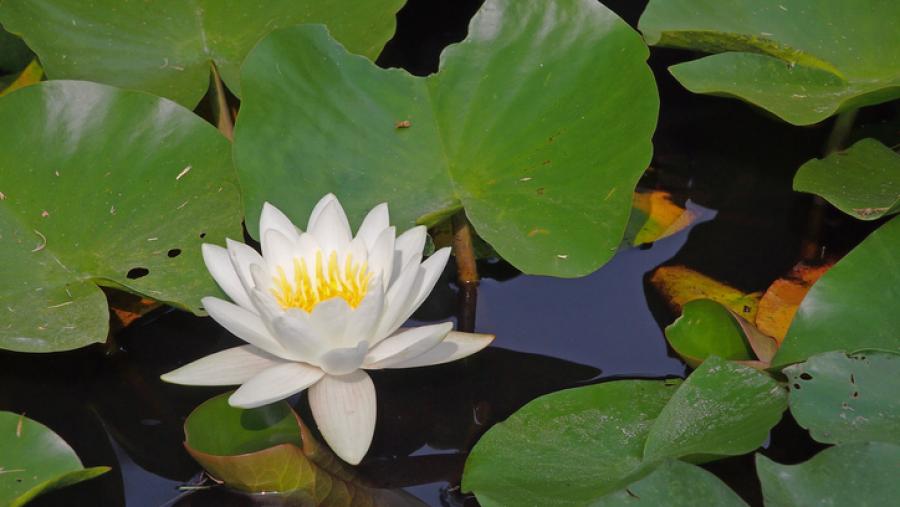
(660, 216)
(30, 75)
(679, 284)
(781, 300)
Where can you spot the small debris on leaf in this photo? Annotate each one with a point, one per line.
(405, 124)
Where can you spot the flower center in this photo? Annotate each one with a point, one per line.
(327, 281)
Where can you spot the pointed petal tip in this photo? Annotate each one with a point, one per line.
(345, 412)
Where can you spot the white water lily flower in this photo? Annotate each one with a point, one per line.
(317, 309)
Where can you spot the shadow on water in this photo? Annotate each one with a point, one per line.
(551, 333)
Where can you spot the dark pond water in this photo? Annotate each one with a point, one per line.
(722, 158)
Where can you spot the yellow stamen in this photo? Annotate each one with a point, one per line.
(329, 281)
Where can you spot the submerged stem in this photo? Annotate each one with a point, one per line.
(466, 271)
(224, 118)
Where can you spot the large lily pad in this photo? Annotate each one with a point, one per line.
(722, 409)
(269, 449)
(674, 484)
(34, 460)
(100, 186)
(803, 60)
(571, 447)
(538, 125)
(852, 474)
(843, 399)
(854, 305)
(863, 181)
(165, 47)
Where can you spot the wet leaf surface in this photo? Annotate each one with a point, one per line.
(102, 186)
(843, 399)
(34, 460)
(862, 181)
(166, 47)
(504, 130)
(803, 60)
(851, 474)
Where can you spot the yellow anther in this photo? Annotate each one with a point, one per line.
(327, 281)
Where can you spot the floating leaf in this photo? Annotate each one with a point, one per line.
(781, 300)
(34, 460)
(655, 216)
(853, 306)
(679, 285)
(30, 75)
(722, 409)
(862, 181)
(571, 447)
(166, 47)
(109, 187)
(538, 125)
(674, 484)
(803, 60)
(707, 328)
(851, 474)
(269, 449)
(842, 399)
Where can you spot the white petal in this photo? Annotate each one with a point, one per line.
(363, 320)
(406, 344)
(409, 245)
(242, 257)
(295, 333)
(456, 345)
(317, 210)
(329, 320)
(397, 299)
(218, 262)
(279, 251)
(344, 360)
(225, 368)
(345, 411)
(372, 226)
(429, 274)
(275, 384)
(244, 324)
(381, 256)
(331, 228)
(273, 219)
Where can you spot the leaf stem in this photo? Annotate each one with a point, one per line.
(466, 271)
(224, 118)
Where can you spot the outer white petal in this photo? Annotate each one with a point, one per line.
(295, 333)
(274, 384)
(344, 360)
(225, 368)
(405, 345)
(317, 210)
(272, 218)
(362, 321)
(381, 256)
(242, 257)
(331, 228)
(244, 324)
(279, 251)
(397, 299)
(456, 345)
(345, 411)
(375, 222)
(429, 273)
(218, 262)
(409, 245)
(329, 320)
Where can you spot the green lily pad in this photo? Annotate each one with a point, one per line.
(862, 181)
(722, 409)
(34, 460)
(269, 449)
(100, 186)
(165, 47)
(674, 484)
(571, 447)
(842, 399)
(851, 474)
(803, 60)
(707, 328)
(538, 125)
(853, 306)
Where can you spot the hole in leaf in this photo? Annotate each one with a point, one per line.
(202, 235)
(852, 379)
(175, 252)
(855, 394)
(135, 273)
(796, 386)
(806, 376)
